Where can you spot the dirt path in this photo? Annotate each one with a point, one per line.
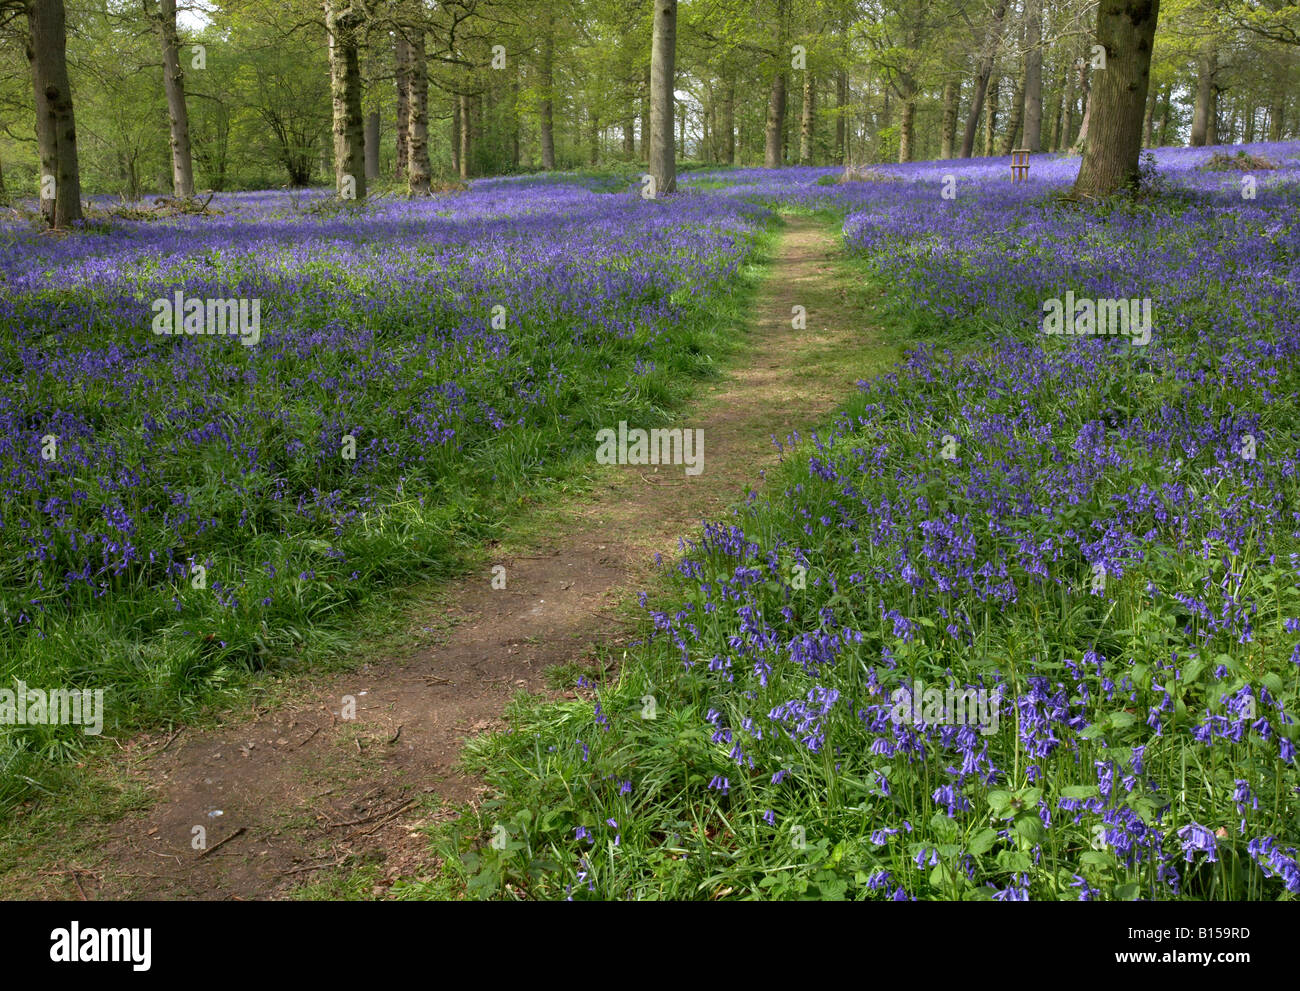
(300, 790)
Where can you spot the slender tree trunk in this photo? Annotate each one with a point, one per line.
(841, 117)
(629, 139)
(594, 140)
(418, 170)
(372, 145)
(1126, 30)
(514, 123)
(1085, 93)
(1168, 112)
(1017, 119)
(774, 139)
(466, 135)
(1249, 135)
(178, 117)
(663, 57)
(1276, 111)
(4, 193)
(948, 135)
(453, 138)
(645, 116)
(1149, 125)
(1212, 122)
(402, 65)
(806, 121)
(1032, 108)
(991, 118)
(729, 122)
(547, 108)
(56, 129)
(1202, 111)
(982, 75)
(1066, 134)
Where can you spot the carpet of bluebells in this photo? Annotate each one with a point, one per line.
(1102, 537)
(462, 343)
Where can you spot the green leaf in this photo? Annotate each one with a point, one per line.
(982, 842)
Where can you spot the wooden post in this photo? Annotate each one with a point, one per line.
(1020, 165)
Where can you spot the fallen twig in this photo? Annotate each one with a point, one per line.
(238, 832)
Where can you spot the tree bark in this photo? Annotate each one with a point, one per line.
(841, 117)
(1149, 125)
(663, 57)
(547, 109)
(174, 87)
(1203, 110)
(729, 122)
(343, 22)
(982, 74)
(1126, 30)
(372, 145)
(419, 172)
(402, 65)
(466, 135)
(56, 129)
(1032, 108)
(806, 120)
(991, 118)
(1017, 119)
(453, 138)
(774, 136)
(951, 94)
(1165, 117)
(1085, 93)
(1066, 135)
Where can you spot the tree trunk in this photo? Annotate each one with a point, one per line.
(629, 139)
(418, 170)
(1085, 93)
(343, 21)
(1165, 117)
(1031, 110)
(948, 135)
(1126, 30)
(174, 87)
(841, 117)
(806, 120)
(594, 141)
(1202, 112)
(645, 117)
(1277, 110)
(774, 137)
(1249, 135)
(1212, 122)
(453, 138)
(466, 135)
(402, 64)
(372, 145)
(663, 56)
(729, 122)
(547, 109)
(1066, 136)
(991, 118)
(4, 193)
(56, 129)
(1149, 125)
(1017, 119)
(982, 79)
